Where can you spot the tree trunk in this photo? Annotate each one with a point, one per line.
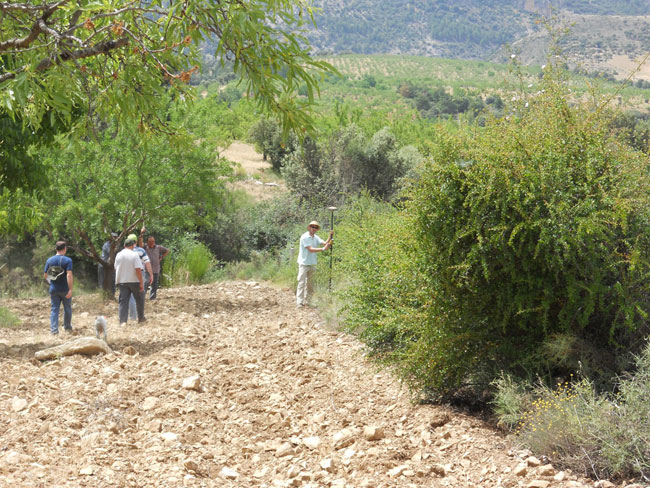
(108, 284)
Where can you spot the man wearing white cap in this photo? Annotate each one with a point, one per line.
(307, 260)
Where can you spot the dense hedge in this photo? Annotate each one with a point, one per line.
(531, 240)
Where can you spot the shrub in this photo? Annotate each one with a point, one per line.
(606, 435)
(269, 139)
(191, 261)
(384, 297)
(8, 318)
(523, 248)
(535, 227)
(347, 164)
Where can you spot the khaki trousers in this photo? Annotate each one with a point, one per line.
(305, 284)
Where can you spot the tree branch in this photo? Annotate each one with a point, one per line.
(103, 48)
(23, 7)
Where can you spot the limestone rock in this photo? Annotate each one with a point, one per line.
(532, 461)
(88, 346)
(343, 438)
(604, 484)
(154, 426)
(328, 465)
(538, 484)
(285, 449)
(371, 433)
(546, 470)
(396, 471)
(169, 438)
(192, 383)
(149, 403)
(228, 473)
(560, 476)
(311, 442)
(87, 471)
(18, 404)
(520, 470)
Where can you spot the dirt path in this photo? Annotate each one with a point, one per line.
(259, 181)
(282, 401)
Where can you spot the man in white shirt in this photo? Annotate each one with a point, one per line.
(147, 276)
(128, 276)
(307, 259)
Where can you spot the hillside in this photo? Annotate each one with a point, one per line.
(594, 43)
(604, 35)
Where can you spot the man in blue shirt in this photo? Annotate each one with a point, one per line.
(307, 260)
(60, 279)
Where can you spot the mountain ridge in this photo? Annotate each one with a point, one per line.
(606, 36)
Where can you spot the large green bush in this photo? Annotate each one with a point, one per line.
(535, 233)
(385, 297)
(523, 247)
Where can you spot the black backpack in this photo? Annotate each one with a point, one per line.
(53, 272)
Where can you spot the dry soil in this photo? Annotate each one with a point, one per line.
(230, 385)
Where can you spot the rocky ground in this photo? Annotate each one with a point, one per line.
(229, 385)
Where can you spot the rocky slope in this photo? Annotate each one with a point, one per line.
(229, 384)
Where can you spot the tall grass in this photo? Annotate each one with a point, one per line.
(598, 434)
(190, 263)
(8, 318)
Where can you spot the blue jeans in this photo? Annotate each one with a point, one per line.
(56, 297)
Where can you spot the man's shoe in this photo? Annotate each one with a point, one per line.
(142, 321)
(123, 324)
(54, 333)
(69, 331)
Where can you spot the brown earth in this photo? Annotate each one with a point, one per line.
(278, 398)
(259, 181)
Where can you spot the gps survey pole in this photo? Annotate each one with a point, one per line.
(332, 210)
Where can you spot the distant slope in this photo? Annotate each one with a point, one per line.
(612, 44)
(445, 28)
(605, 35)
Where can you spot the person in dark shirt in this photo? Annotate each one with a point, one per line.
(156, 254)
(60, 280)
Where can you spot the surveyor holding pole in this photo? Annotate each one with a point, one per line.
(307, 259)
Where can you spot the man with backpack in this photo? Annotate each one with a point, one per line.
(58, 273)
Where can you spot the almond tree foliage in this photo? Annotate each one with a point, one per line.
(114, 58)
(64, 64)
(529, 241)
(124, 181)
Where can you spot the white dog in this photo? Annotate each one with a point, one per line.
(100, 326)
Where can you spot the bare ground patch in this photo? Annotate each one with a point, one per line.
(259, 180)
(282, 400)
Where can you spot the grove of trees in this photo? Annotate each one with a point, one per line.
(71, 67)
(512, 248)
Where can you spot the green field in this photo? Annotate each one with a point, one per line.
(458, 76)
